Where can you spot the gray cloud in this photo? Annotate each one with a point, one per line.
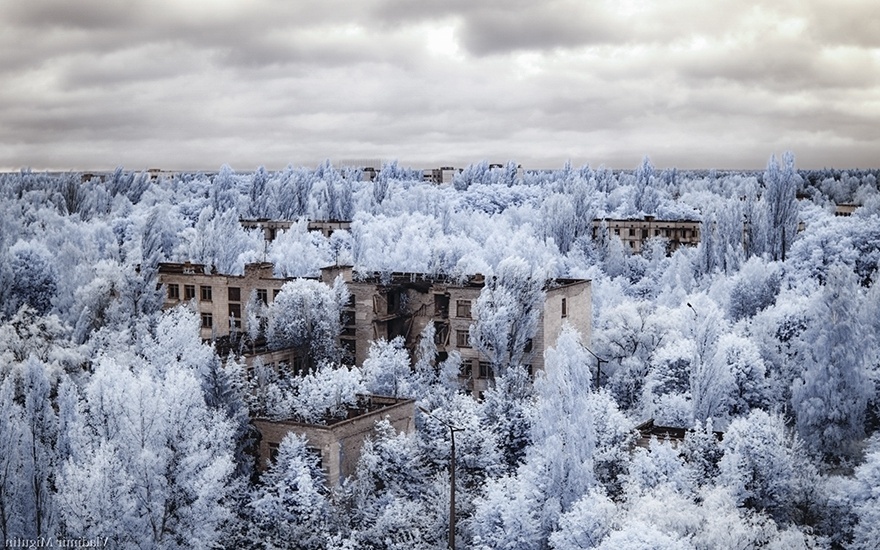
(198, 84)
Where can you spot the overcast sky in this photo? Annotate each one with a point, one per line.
(194, 84)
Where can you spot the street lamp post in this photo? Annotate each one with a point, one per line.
(452, 430)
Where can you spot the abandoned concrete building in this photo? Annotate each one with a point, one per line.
(271, 228)
(338, 442)
(444, 174)
(635, 232)
(670, 435)
(402, 304)
(220, 299)
(398, 304)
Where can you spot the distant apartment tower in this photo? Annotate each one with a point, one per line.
(444, 174)
(635, 232)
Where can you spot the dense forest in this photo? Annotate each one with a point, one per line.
(118, 421)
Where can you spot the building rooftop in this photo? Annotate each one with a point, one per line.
(648, 431)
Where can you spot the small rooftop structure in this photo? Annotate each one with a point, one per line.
(667, 434)
(339, 441)
(845, 210)
(271, 228)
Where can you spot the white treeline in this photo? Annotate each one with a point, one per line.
(117, 421)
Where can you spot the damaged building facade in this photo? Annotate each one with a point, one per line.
(634, 233)
(381, 307)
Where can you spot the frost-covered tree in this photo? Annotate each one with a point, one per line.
(426, 375)
(149, 436)
(11, 463)
(670, 372)
(558, 468)
(721, 238)
(218, 240)
(760, 463)
(710, 379)
(224, 192)
(258, 199)
(291, 505)
(755, 287)
(473, 173)
(866, 499)
(586, 524)
(224, 387)
(507, 313)
(387, 369)
(780, 203)
(507, 517)
(326, 393)
(628, 335)
(702, 452)
(29, 431)
(507, 408)
(33, 280)
(645, 198)
(390, 503)
(739, 361)
(830, 397)
(305, 316)
(40, 427)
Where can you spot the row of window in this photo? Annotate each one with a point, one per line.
(463, 309)
(484, 369)
(189, 292)
(207, 293)
(685, 233)
(463, 340)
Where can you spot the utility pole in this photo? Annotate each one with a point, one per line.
(599, 362)
(452, 430)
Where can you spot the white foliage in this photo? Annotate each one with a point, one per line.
(305, 315)
(507, 313)
(387, 369)
(586, 524)
(156, 428)
(326, 393)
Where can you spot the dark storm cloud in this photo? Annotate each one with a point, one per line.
(196, 84)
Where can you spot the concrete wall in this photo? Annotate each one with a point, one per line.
(634, 233)
(256, 276)
(579, 312)
(339, 443)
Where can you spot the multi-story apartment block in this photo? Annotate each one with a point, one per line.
(444, 174)
(399, 304)
(219, 299)
(634, 233)
(402, 304)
